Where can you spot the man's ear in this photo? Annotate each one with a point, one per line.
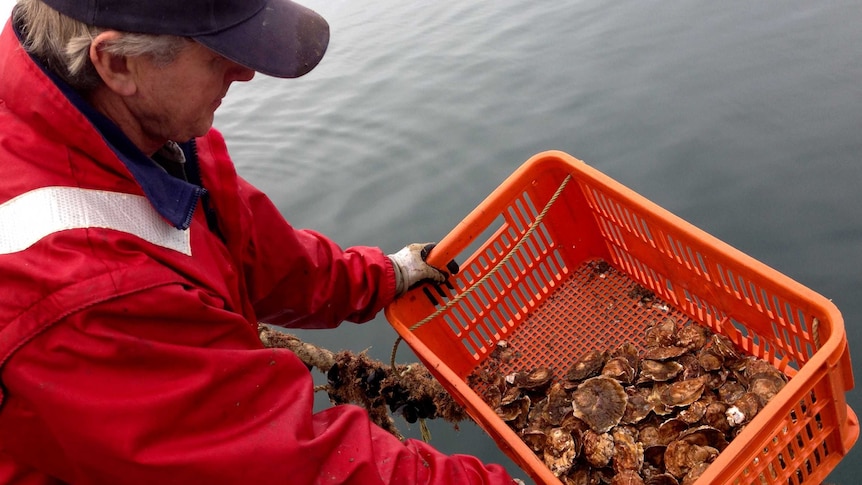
(113, 69)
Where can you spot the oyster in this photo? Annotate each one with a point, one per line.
(705, 436)
(670, 430)
(628, 452)
(579, 475)
(587, 365)
(690, 366)
(627, 477)
(694, 473)
(629, 352)
(724, 347)
(658, 371)
(743, 409)
(694, 412)
(683, 393)
(638, 406)
(654, 456)
(600, 402)
(598, 448)
(730, 391)
(662, 334)
(681, 456)
(662, 479)
(766, 385)
(493, 396)
(516, 412)
(511, 395)
(535, 380)
(710, 360)
(692, 336)
(504, 353)
(536, 438)
(716, 416)
(620, 369)
(665, 352)
(654, 397)
(560, 451)
(558, 405)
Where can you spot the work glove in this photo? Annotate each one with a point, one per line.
(411, 268)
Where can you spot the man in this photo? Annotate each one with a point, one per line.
(135, 263)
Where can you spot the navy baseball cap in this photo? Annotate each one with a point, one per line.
(275, 37)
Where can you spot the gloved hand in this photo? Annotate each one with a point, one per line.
(411, 268)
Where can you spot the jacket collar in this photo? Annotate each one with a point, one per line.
(173, 198)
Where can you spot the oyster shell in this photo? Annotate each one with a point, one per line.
(587, 365)
(662, 479)
(709, 359)
(731, 391)
(694, 412)
(658, 371)
(535, 380)
(654, 456)
(638, 406)
(681, 456)
(716, 415)
(629, 352)
(766, 385)
(649, 435)
(743, 409)
(536, 438)
(620, 369)
(579, 475)
(705, 436)
(670, 430)
(598, 448)
(665, 352)
(627, 477)
(560, 451)
(511, 395)
(558, 406)
(683, 393)
(628, 452)
(692, 336)
(600, 402)
(694, 473)
(516, 412)
(725, 348)
(662, 334)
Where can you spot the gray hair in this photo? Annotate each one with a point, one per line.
(63, 43)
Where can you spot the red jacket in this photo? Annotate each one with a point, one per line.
(128, 344)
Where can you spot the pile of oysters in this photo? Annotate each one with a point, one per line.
(621, 416)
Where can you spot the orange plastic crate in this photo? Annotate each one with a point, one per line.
(527, 278)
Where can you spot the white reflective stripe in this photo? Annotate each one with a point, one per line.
(29, 217)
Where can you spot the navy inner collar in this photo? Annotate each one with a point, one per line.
(173, 198)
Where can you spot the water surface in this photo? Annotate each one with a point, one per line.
(740, 117)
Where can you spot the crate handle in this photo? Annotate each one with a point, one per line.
(459, 297)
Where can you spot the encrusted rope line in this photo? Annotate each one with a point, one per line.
(815, 333)
(490, 273)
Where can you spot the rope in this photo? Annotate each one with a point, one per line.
(815, 332)
(490, 273)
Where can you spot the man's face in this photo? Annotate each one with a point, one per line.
(177, 101)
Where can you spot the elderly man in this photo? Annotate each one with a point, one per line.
(135, 263)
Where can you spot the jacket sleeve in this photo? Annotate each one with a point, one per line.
(302, 279)
(294, 277)
(164, 386)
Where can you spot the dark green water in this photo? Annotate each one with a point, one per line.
(743, 118)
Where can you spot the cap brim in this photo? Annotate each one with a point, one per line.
(284, 39)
